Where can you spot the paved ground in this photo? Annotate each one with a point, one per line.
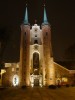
(37, 93)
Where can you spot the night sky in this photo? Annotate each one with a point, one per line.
(61, 16)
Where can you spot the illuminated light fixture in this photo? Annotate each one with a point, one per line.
(32, 80)
(15, 80)
(32, 85)
(3, 71)
(40, 82)
(40, 85)
(7, 64)
(17, 66)
(64, 79)
(35, 69)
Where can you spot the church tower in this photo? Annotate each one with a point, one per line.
(25, 50)
(49, 69)
(36, 61)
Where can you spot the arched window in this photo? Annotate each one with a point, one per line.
(35, 41)
(35, 60)
(35, 35)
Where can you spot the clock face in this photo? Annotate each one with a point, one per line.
(36, 47)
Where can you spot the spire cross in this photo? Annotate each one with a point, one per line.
(44, 3)
(35, 21)
(45, 21)
(26, 16)
(26, 2)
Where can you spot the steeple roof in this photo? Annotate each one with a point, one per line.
(26, 16)
(45, 20)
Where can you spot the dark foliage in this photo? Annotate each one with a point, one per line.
(58, 86)
(73, 85)
(52, 86)
(23, 87)
(2, 88)
(67, 85)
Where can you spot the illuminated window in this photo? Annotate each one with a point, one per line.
(13, 69)
(64, 79)
(15, 80)
(35, 35)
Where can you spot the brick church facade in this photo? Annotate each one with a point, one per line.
(36, 66)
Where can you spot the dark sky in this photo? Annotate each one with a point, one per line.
(61, 16)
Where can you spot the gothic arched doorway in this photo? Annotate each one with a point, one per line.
(36, 78)
(36, 68)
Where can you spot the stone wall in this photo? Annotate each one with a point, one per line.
(7, 78)
(61, 74)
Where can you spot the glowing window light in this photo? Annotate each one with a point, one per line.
(64, 79)
(7, 64)
(32, 85)
(15, 80)
(40, 85)
(32, 81)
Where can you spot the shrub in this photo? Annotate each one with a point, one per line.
(67, 85)
(23, 87)
(59, 86)
(73, 85)
(52, 86)
(2, 88)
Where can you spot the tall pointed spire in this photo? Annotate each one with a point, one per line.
(26, 16)
(45, 20)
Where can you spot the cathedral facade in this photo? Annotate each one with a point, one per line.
(36, 66)
(36, 59)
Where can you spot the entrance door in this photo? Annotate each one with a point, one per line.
(36, 82)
